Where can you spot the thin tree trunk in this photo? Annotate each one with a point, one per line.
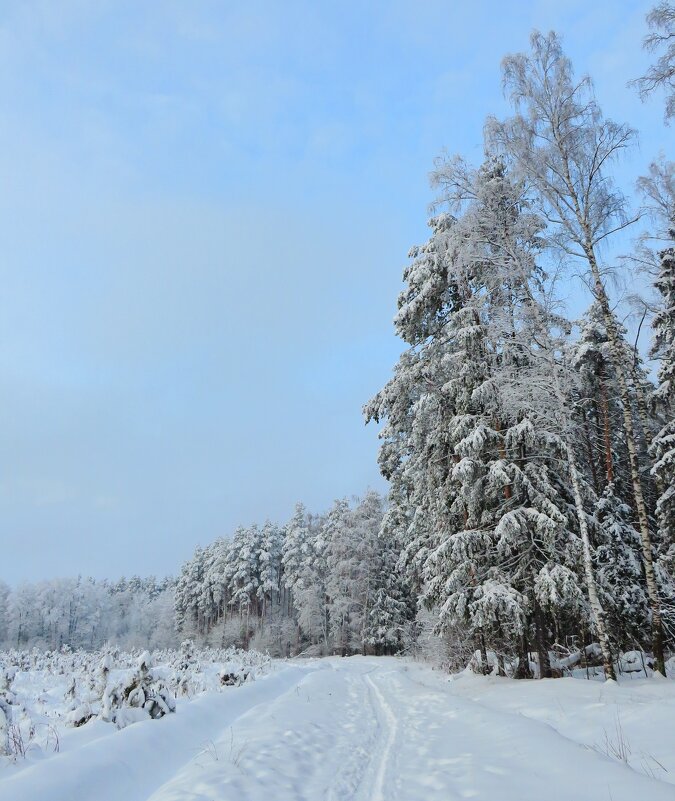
(540, 639)
(590, 455)
(523, 670)
(604, 411)
(596, 607)
(485, 668)
(501, 667)
(641, 403)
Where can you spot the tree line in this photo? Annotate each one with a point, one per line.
(320, 584)
(85, 613)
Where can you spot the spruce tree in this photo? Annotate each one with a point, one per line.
(488, 530)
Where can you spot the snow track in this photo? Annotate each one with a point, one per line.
(366, 729)
(387, 735)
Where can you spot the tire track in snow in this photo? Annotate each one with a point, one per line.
(388, 726)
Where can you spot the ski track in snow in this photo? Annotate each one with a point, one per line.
(384, 713)
(363, 729)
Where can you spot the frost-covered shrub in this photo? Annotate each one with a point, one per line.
(7, 699)
(80, 714)
(632, 662)
(82, 704)
(7, 675)
(234, 675)
(5, 722)
(142, 691)
(185, 669)
(276, 639)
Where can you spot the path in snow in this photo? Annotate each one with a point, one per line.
(359, 729)
(384, 713)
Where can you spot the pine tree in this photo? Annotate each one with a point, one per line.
(269, 559)
(310, 596)
(245, 571)
(296, 548)
(340, 568)
(188, 616)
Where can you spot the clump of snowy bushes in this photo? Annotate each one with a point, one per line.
(6, 701)
(42, 692)
(137, 695)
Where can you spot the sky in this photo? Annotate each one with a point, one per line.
(205, 212)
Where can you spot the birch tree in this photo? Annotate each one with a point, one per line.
(661, 40)
(561, 142)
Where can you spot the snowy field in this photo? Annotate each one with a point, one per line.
(369, 729)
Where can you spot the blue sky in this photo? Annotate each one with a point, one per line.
(205, 210)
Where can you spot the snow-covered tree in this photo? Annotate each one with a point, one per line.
(475, 483)
(561, 143)
(245, 570)
(296, 549)
(619, 571)
(269, 559)
(663, 445)
(390, 607)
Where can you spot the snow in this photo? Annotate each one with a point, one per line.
(129, 763)
(375, 729)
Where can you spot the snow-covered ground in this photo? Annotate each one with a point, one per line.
(375, 729)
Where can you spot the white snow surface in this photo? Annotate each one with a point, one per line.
(376, 729)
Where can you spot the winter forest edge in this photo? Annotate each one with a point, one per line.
(530, 519)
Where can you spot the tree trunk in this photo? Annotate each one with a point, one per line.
(540, 639)
(596, 607)
(654, 482)
(590, 455)
(501, 667)
(485, 667)
(523, 670)
(604, 411)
